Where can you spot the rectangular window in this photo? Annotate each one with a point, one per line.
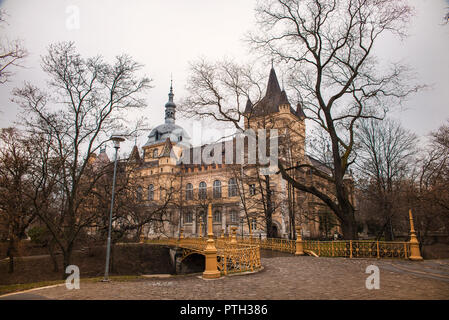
(188, 217)
(252, 189)
(233, 216)
(253, 224)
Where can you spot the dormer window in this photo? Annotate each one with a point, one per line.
(155, 153)
(180, 138)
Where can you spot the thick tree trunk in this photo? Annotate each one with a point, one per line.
(51, 251)
(349, 228)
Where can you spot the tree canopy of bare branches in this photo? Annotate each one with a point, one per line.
(328, 46)
(385, 156)
(11, 53)
(85, 102)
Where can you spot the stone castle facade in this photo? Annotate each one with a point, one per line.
(240, 195)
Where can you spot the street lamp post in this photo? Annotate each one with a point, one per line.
(116, 139)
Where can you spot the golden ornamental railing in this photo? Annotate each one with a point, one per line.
(276, 244)
(245, 255)
(227, 255)
(238, 257)
(359, 249)
(231, 257)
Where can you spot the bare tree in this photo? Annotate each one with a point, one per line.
(134, 209)
(221, 90)
(328, 46)
(11, 53)
(385, 157)
(88, 101)
(16, 210)
(433, 181)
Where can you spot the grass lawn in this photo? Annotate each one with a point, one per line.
(5, 289)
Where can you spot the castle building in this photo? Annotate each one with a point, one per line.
(240, 194)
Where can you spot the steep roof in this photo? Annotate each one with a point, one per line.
(134, 156)
(167, 148)
(274, 97)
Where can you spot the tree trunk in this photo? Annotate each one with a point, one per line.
(349, 228)
(269, 210)
(51, 251)
(11, 252)
(67, 259)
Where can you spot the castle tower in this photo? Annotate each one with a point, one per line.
(170, 107)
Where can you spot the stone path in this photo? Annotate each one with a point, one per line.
(284, 277)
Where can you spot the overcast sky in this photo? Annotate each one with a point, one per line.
(165, 35)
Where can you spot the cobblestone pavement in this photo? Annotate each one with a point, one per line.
(283, 277)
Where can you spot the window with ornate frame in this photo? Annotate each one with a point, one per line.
(217, 216)
(202, 191)
(232, 188)
(189, 191)
(217, 189)
(150, 192)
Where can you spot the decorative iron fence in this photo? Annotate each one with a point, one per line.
(231, 257)
(359, 249)
(276, 244)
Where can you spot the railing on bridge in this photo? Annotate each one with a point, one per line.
(343, 248)
(359, 249)
(227, 255)
(232, 257)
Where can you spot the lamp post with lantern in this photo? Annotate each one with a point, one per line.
(116, 139)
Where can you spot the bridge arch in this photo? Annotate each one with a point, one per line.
(192, 262)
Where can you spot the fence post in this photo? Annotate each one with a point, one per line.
(234, 235)
(378, 252)
(350, 248)
(415, 254)
(225, 265)
(332, 248)
(211, 270)
(299, 244)
(405, 250)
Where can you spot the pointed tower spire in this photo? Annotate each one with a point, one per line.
(248, 106)
(273, 84)
(170, 106)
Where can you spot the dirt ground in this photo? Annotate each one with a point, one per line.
(129, 259)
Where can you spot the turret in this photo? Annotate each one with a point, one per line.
(170, 107)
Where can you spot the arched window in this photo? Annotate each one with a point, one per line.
(217, 189)
(139, 194)
(233, 216)
(217, 216)
(150, 192)
(232, 188)
(202, 194)
(155, 153)
(189, 191)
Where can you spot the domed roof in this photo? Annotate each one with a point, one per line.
(167, 130)
(170, 104)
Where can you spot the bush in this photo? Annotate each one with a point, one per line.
(39, 235)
